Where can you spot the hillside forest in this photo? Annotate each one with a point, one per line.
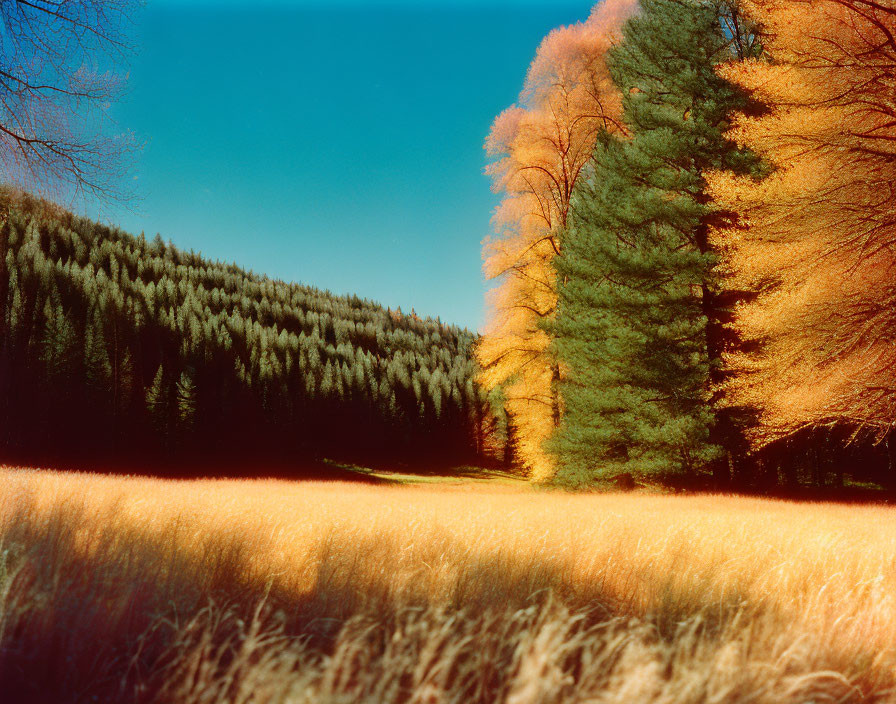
(693, 280)
(119, 351)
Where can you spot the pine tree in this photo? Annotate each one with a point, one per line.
(638, 331)
(59, 345)
(158, 403)
(186, 402)
(96, 355)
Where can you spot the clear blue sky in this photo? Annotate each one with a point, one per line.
(337, 143)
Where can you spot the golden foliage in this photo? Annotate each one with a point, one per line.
(540, 148)
(817, 238)
(264, 591)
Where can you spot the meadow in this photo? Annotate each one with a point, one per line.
(122, 589)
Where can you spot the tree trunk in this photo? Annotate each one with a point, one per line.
(5, 367)
(555, 394)
(509, 442)
(815, 467)
(721, 472)
(744, 470)
(890, 442)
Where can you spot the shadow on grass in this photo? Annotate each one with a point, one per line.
(299, 470)
(849, 493)
(94, 609)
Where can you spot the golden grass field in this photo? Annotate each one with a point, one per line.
(137, 590)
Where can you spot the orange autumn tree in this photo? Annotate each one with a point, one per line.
(540, 147)
(816, 240)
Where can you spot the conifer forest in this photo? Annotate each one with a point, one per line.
(182, 361)
(654, 462)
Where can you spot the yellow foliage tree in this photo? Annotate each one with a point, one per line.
(816, 240)
(541, 146)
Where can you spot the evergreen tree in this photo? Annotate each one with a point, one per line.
(97, 364)
(186, 402)
(59, 345)
(638, 330)
(158, 403)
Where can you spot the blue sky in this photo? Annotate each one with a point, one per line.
(335, 143)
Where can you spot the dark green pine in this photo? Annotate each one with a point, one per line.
(637, 333)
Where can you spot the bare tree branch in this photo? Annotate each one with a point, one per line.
(58, 78)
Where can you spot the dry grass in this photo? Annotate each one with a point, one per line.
(120, 589)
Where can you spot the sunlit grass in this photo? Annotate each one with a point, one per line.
(275, 591)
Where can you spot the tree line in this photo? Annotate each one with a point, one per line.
(709, 291)
(121, 351)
